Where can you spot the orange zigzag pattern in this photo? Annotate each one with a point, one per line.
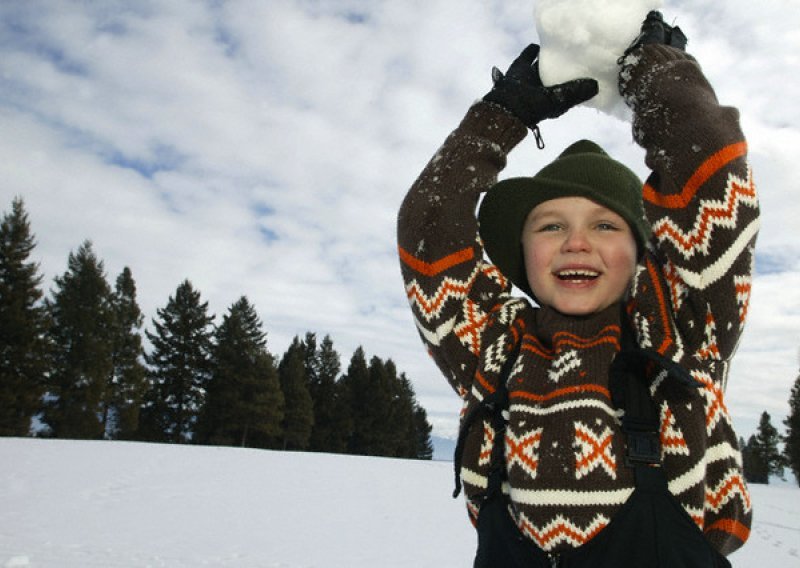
(562, 530)
(730, 487)
(712, 213)
(450, 288)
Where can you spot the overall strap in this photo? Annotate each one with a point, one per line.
(495, 404)
(630, 391)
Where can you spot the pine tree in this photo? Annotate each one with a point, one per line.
(370, 397)
(331, 416)
(127, 383)
(410, 423)
(402, 426)
(351, 387)
(423, 429)
(298, 419)
(23, 325)
(764, 453)
(244, 403)
(180, 367)
(791, 448)
(81, 332)
(756, 470)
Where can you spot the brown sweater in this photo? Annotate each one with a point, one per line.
(688, 300)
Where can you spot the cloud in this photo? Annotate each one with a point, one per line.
(263, 148)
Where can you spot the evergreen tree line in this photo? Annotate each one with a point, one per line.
(761, 454)
(73, 365)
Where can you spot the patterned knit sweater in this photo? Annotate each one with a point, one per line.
(688, 301)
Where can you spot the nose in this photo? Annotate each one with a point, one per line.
(577, 240)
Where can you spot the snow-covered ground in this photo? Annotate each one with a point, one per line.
(111, 504)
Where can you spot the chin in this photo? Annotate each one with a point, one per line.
(580, 311)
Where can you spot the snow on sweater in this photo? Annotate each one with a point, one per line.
(688, 301)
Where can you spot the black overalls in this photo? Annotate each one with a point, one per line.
(651, 530)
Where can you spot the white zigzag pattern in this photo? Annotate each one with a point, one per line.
(706, 277)
(731, 486)
(706, 222)
(561, 530)
(565, 362)
(537, 410)
(697, 474)
(431, 306)
(434, 336)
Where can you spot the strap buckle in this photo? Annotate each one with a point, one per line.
(643, 448)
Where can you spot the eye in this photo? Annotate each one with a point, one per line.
(548, 228)
(607, 226)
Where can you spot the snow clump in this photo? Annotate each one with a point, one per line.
(584, 38)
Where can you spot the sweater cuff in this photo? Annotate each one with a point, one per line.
(492, 122)
(642, 66)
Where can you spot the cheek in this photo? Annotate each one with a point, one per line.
(534, 258)
(623, 260)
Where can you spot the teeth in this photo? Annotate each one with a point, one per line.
(578, 274)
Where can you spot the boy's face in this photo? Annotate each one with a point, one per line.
(579, 256)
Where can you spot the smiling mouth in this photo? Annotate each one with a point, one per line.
(577, 275)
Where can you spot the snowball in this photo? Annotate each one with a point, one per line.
(584, 38)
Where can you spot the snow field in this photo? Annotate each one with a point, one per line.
(70, 504)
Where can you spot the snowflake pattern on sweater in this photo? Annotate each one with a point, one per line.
(688, 301)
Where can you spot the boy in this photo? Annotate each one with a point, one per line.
(574, 238)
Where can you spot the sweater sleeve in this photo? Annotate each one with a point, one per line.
(699, 199)
(450, 288)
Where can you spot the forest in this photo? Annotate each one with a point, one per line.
(79, 364)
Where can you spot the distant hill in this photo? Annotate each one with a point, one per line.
(443, 448)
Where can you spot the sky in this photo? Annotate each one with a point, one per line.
(263, 149)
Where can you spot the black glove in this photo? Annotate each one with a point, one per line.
(521, 92)
(655, 30)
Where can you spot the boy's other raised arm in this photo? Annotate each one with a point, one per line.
(700, 199)
(449, 287)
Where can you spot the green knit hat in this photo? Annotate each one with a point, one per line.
(582, 170)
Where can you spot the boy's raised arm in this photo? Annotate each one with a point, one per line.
(700, 198)
(449, 287)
